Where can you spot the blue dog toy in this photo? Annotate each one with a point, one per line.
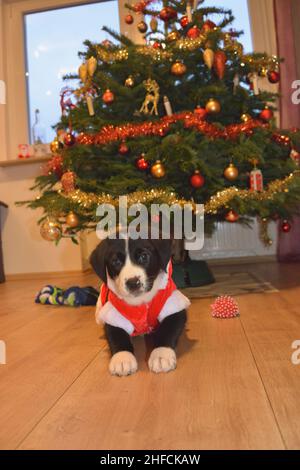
(77, 296)
(50, 295)
(72, 297)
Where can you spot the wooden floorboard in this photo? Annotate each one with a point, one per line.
(272, 324)
(45, 354)
(215, 399)
(235, 386)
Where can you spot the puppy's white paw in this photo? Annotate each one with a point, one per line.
(123, 363)
(162, 360)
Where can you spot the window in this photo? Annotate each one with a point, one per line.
(242, 20)
(53, 39)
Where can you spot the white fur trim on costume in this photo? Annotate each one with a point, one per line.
(110, 315)
(175, 303)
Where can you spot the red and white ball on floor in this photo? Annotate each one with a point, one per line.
(225, 307)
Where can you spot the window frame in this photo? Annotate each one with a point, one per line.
(14, 63)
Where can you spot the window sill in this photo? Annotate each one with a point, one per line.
(25, 161)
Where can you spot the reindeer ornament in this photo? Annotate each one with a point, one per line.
(152, 96)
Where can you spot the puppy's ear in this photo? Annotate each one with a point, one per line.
(98, 260)
(163, 249)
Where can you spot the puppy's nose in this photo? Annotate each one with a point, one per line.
(133, 284)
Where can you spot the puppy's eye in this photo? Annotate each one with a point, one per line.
(116, 262)
(143, 258)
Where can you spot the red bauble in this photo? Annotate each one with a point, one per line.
(232, 217)
(108, 97)
(184, 21)
(68, 181)
(123, 149)
(220, 59)
(266, 114)
(225, 307)
(200, 112)
(193, 33)
(282, 139)
(156, 45)
(274, 76)
(167, 14)
(69, 139)
(129, 19)
(208, 26)
(295, 156)
(141, 163)
(197, 180)
(286, 227)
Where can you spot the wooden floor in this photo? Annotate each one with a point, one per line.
(235, 386)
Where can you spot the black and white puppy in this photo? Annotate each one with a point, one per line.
(138, 296)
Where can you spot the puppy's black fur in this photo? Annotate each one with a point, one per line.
(153, 256)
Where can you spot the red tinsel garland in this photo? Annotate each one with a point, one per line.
(160, 128)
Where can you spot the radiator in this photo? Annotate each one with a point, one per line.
(236, 241)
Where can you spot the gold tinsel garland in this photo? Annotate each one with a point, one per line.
(186, 44)
(108, 55)
(155, 54)
(223, 198)
(219, 201)
(265, 61)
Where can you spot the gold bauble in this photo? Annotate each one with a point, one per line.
(158, 170)
(246, 117)
(129, 82)
(213, 106)
(83, 72)
(142, 27)
(208, 57)
(231, 173)
(91, 66)
(51, 230)
(263, 72)
(237, 48)
(55, 145)
(173, 36)
(178, 69)
(72, 220)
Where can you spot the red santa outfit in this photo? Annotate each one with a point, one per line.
(145, 318)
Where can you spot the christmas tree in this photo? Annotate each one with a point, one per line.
(178, 118)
